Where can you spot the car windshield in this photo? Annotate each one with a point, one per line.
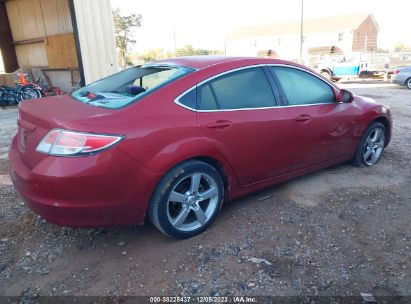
(128, 86)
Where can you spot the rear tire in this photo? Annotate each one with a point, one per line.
(30, 93)
(408, 83)
(371, 146)
(187, 199)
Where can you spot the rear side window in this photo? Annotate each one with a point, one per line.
(302, 88)
(238, 90)
(128, 86)
(189, 99)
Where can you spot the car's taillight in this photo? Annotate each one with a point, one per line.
(396, 72)
(70, 143)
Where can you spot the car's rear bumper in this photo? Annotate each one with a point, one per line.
(104, 189)
(395, 79)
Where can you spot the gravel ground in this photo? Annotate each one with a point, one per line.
(340, 231)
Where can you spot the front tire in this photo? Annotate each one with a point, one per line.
(371, 146)
(187, 199)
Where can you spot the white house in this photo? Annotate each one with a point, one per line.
(337, 34)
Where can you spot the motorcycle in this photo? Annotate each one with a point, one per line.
(40, 85)
(46, 90)
(13, 96)
(24, 90)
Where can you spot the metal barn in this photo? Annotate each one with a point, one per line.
(70, 41)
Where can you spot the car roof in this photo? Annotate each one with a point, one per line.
(201, 62)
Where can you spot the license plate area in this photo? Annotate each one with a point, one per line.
(23, 137)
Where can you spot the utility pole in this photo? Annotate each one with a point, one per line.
(175, 42)
(301, 31)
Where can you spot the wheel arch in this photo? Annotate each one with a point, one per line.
(327, 70)
(216, 164)
(193, 149)
(385, 122)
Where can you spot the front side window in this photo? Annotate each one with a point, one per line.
(242, 89)
(302, 88)
(126, 87)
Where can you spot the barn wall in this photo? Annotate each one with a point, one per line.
(57, 19)
(365, 37)
(33, 20)
(96, 37)
(8, 59)
(44, 36)
(31, 55)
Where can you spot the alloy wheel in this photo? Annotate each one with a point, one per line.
(373, 146)
(192, 202)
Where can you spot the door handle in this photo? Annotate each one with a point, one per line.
(303, 118)
(219, 124)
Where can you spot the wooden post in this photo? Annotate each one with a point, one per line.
(6, 41)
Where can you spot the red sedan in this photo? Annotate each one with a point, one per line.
(173, 139)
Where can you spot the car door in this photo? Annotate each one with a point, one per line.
(323, 127)
(238, 112)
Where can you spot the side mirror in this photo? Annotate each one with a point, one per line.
(345, 96)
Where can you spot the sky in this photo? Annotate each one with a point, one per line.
(205, 24)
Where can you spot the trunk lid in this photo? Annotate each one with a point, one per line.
(39, 116)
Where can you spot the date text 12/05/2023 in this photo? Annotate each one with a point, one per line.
(203, 299)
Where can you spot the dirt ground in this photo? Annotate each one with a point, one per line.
(340, 231)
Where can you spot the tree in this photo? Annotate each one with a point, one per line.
(123, 30)
(402, 47)
(156, 54)
(189, 50)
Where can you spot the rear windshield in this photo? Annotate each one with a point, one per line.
(128, 86)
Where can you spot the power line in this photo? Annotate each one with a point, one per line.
(301, 31)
